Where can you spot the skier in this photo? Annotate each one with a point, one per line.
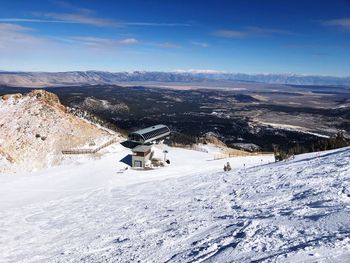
(228, 166)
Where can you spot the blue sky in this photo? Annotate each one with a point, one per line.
(303, 37)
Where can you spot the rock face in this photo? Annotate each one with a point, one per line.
(36, 127)
(45, 96)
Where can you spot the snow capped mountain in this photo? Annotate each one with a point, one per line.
(261, 211)
(200, 71)
(39, 79)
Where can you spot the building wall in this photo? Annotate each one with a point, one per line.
(143, 159)
(143, 153)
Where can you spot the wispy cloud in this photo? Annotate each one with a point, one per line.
(80, 18)
(14, 28)
(87, 19)
(70, 6)
(31, 20)
(200, 44)
(17, 39)
(13, 36)
(267, 31)
(24, 48)
(101, 42)
(77, 15)
(230, 34)
(250, 31)
(169, 45)
(128, 41)
(85, 16)
(343, 23)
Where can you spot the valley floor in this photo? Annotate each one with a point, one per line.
(95, 211)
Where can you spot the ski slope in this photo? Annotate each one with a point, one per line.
(91, 211)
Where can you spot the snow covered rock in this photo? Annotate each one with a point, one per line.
(35, 128)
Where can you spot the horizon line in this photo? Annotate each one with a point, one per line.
(190, 71)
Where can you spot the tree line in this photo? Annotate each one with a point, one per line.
(322, 144)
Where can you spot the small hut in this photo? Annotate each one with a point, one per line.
(141, 155)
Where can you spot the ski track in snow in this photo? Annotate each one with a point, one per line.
(297, 210)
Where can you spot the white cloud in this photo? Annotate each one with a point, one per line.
(342, 23)
(169, 45)
(13, 36)
(230, 33)
(70, 6)
(14, 27)
(24, 48)
(250, 31)
(85, 11)
(102, 42)
(200, 44)
(19, 43)
(80, 18)
(31, 20)
(92, 41)
(128, 41)
(87, 19)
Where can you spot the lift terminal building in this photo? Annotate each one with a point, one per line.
(150, 134)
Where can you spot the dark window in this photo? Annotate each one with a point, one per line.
(137, 164)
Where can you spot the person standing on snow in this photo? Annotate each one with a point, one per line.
(228, 166)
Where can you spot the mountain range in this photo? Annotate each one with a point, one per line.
(39, 79)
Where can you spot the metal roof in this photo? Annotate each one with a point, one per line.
(150, 129)
(149, 134)
(142, 148)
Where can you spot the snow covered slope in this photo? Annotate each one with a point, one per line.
(189, 211)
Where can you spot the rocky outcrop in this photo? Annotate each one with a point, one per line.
(47, 97)
(36, 127)
(213, 139)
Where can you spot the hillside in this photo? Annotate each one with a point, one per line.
(36, 127)
(189, 211)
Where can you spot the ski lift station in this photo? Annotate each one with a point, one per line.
(150, 134)
(142, 153)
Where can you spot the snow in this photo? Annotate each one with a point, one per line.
(96, 211)
(293, 128)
